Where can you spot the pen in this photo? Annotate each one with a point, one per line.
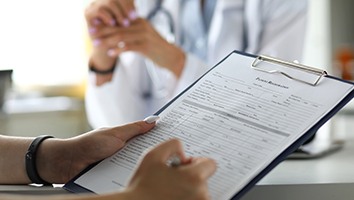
(174, 161)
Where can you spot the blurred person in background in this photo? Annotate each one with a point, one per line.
(146, 52)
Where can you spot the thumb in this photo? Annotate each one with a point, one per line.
(131, 130)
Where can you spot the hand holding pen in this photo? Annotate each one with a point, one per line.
(165, 172)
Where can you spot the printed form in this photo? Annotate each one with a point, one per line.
(241, 117)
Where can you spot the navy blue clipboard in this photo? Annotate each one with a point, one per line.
(75, 188)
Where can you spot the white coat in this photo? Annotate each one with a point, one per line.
(273, 27)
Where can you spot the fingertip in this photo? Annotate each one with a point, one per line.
(112, 22)
(92, 30)
(202, 160)
(174, 142)
(144, 127)
(121, 44)
(96, 42)
(151, 119)
(133, 15)
(213, 164)
(96, 22)
(111, 53)
(125, 23)
(130, 130)
(206, 165)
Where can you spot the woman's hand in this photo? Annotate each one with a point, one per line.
(58, 161)
(115, 28)
(110, 13)
(142, 38)
(156, 180)
(103, 17)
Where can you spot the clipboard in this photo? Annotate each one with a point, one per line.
(311, 148)
(319, 75)
(311, 70)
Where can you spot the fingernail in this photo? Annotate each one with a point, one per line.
(111, 53)
(92, 30)
(96, 21)
(113, 22)
(133, 15)
(126, 23)
(96, 42)
(151, 119)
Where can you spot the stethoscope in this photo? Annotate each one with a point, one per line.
(158, 8)
(161, 91)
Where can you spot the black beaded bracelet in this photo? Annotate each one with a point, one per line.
(97, 71)
(31, 157)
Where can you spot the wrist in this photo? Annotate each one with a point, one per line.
(31, 160)
(103, 74)
(101, 63)
(181, 60)
(53, 160)
(98, 69)
(177, 60)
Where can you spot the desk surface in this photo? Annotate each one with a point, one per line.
(329, 177)
(326, 178)
(337, 167)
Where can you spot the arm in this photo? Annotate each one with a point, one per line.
(121, 100)
(103, 18)
(119, 97)
(154, 180)
(12, 155)
(59, 160)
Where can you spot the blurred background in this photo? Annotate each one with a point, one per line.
(46, 45)
(44, 49)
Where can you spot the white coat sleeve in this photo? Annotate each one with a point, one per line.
(121, 100)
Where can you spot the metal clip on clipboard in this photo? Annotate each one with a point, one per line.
(318, 72)
(312, 148)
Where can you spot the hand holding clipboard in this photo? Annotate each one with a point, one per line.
(245, 119)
